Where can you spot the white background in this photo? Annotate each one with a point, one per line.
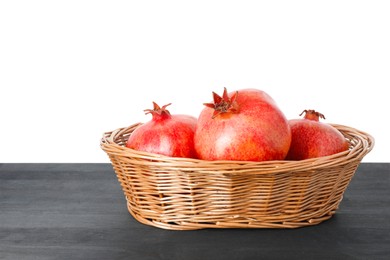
(71, 70)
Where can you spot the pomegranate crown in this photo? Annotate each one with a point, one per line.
(158, 111)
(312, 114)
(223, 104)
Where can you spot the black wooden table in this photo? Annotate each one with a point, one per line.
(78, 211)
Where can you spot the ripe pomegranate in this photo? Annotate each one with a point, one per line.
(312, 138)
(244, 125)
(166, 134)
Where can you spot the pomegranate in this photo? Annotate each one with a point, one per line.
(243, 125)
(166, 134)
(312, 138)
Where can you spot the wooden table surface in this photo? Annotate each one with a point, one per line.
(78, 211)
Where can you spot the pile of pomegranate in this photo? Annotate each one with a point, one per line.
(243, 125)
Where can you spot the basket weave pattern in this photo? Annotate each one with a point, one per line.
(186, 194)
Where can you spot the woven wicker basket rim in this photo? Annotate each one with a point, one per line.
(361, 143)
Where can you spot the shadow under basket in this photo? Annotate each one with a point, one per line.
(185, 194)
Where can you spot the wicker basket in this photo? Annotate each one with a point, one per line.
(185, 194)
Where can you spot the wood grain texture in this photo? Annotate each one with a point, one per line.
(78, 211)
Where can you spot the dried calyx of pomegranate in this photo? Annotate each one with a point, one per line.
(312, 115)
(158, 112)
(223, 104)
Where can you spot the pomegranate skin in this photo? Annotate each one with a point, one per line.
(165, 134)
(253, 130)
(312, 139)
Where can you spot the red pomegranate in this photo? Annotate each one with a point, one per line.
(312, 138)
(166, 134)
(243, 125)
